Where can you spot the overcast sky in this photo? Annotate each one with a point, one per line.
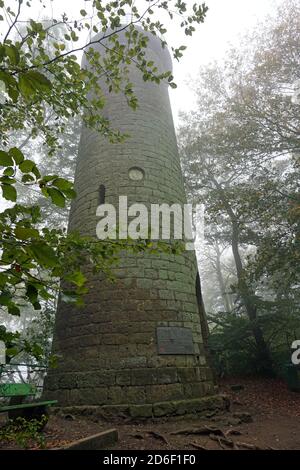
(226, 20)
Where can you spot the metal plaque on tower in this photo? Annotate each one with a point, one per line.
(174, 340)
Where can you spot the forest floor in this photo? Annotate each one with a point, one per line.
(263, 415)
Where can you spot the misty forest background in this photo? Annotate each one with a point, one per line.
(240, 152)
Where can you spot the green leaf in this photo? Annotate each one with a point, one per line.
(43, 254)
(13, 93)
(13, 310)
(27, 178)
(12, 52)
(10, 85)
(31, 82)
(53, 361)
(9, 192)
(35, 213)
(5, 159)
(9, 171)
(36, 171)
(7, 179)
(32, 293)
(36, 350)
(44, 191)
(45, 294)
(3, 279)
(27, 166)
(57, 197)
(17, 155)
(5, 299)
(74, 36)
(62, 183)
(83, 13)
(11, 352)
(77, 278)
(48, 178)
(23, 233)
(70, 193)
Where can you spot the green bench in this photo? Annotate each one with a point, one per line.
(18, 407)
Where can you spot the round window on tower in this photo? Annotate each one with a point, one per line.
(136, 174)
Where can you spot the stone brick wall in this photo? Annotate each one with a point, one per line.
(108, 351)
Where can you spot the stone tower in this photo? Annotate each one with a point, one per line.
(136, 346)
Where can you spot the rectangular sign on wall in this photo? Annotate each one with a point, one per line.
(174, 340)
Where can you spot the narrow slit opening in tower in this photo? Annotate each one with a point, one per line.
(101, 194)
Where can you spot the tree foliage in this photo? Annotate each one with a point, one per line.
(241, 157)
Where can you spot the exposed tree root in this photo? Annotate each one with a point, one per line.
(137, 436)
(204, 430)
(232, 432)
(198, 446)
(161, 437)
(223, 442)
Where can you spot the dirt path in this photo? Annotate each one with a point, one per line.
(273, 412)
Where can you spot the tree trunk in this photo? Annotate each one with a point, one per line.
(263, 354)
(226, 302)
